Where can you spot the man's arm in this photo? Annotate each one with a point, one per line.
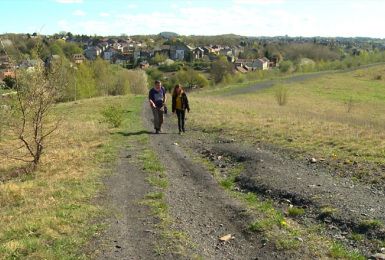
(152, 104)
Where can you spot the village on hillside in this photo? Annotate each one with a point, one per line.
(146, 51)
(126, 52)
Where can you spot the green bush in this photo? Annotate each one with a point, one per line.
(113, 115)
(171, 67)
(286, 66)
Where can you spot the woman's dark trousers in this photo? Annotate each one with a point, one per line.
(181, 116)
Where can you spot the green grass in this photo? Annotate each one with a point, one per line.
(338, 251)
(318, 119)
(47, 215)
(327, 211)
(295, 212)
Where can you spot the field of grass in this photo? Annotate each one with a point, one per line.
(47, 214)
(338, 117)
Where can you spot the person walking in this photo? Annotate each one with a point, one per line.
(179, 106)
(157, 98)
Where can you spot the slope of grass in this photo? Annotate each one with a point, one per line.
(337, 116)
(46, 215)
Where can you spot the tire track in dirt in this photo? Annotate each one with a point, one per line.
(130, 233)
(200, 208)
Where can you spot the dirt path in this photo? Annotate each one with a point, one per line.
(204, 212)
(130, 233)
(199, 207)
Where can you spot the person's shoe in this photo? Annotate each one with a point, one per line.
(156, 131)
(183, 130)
(180, 132)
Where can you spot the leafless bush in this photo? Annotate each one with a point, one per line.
(281, 96)
(33, 122)
(138, 81)
(349, 103)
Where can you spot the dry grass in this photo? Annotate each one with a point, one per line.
(46, 215)
(315, 119)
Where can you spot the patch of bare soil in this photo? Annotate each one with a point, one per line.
(130, 232)
(345, 206)
(200, 208)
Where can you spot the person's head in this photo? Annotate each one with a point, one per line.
(177, 90)
(158, 84)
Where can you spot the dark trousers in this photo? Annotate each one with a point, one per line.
(181, 116)
(158, 117)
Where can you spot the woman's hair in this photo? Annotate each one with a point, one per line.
(177, 86)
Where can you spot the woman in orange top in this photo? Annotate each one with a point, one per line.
(179, 105)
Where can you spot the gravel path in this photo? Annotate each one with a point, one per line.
(199, 207)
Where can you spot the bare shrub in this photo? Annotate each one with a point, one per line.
(138, 81)
(349, 103)
(281, 96)
(33, 122)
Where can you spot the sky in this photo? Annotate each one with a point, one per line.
(329, 18)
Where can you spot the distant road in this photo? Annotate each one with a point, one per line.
(293, 79)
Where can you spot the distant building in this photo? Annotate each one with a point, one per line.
(144, 65)
(110, 54)
(78, 58)
(181, 52)
(254, 64)
(198, 53)
(92, 53)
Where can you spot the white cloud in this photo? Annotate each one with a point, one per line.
(69, 1)
(79, 13)
(248, 19)
(64, 25)
(258, 2)
(95, 27)
(132, 6)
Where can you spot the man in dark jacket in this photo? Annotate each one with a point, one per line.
(157, 99)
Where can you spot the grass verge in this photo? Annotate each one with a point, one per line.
(46, 215)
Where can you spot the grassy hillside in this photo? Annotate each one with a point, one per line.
(46, 215)
(339, 117)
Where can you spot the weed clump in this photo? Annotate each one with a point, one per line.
(281, 96)
(113, 115)
(295, 212)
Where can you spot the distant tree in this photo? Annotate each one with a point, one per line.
(103, 76)
(286, 66)
(158, 58)
(55, 49)
(190, 78)
(10, 82)
(71, 48)
(85, 81)
(220, 68)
